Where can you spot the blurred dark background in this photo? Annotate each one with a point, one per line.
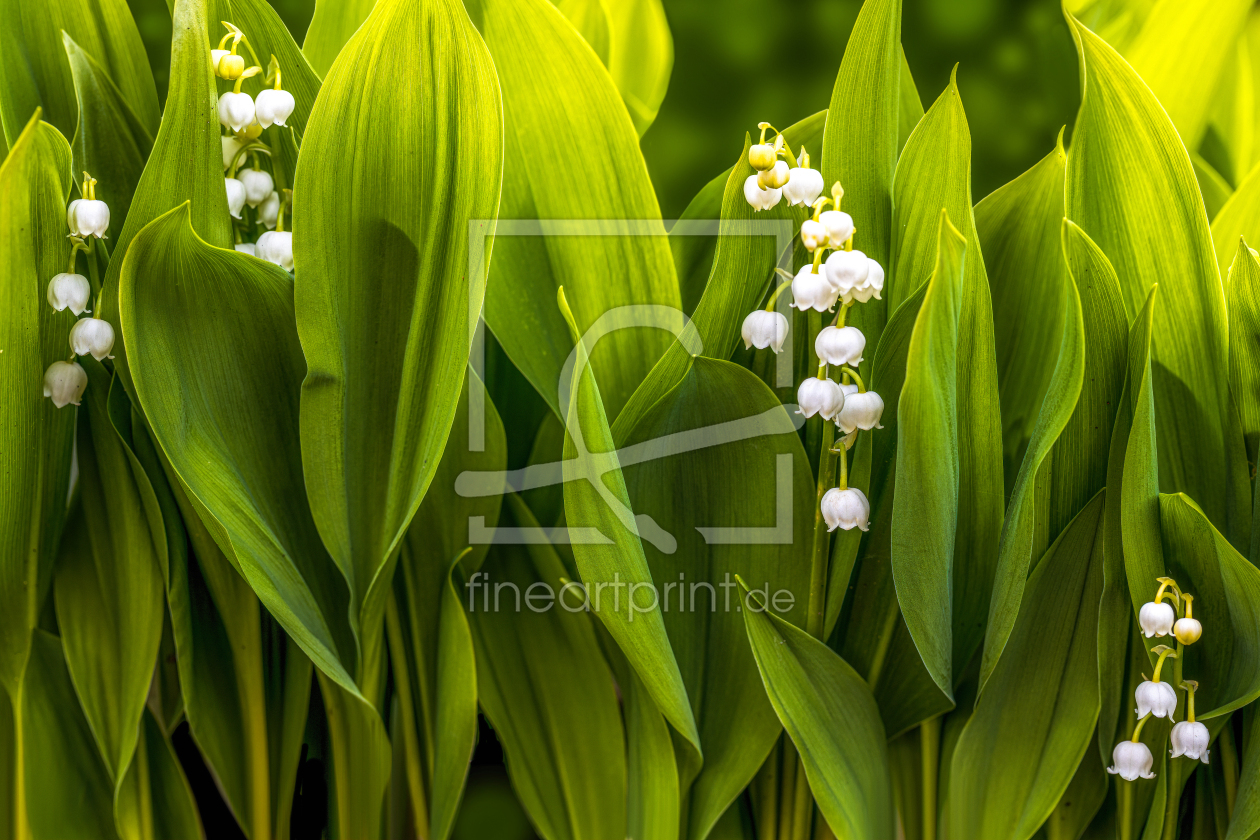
(737, 62)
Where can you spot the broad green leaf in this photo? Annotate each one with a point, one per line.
(1240, 216)
(185, 165)
(109, 576)
(332, 24)
(1242, 290)
(1214, 188)
(653, 794)
(591, 172)
(1036, 716)
(69, 795)
(384, 295)
(549, 694)
(717, 466)
(597, 506)
(694, 254)
(1246, 817)
(1139, 479)
(109, 141)
(1226, 590)
(910, 106)
(1086, 796)
(1019, 227)
(925, 510)
(35, 437)
(429, 641)
(360, 760)
(1131, 188)
(861, 144)
(1229, 140)
(185, 302)
(36, 72)
(1066, 461)
(828, 710)
(155, 800)
(633, 41)
(1180, 52)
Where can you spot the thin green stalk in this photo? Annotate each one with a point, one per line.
(1229, 764)
(787, 788)
(1175, 765)
(930, 750)
(816, 618)
(885, 639)
(766, 793)
(1124, 792)
(802, 806)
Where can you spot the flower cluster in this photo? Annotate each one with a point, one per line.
(88, 219)
(1158, 698)
(846, 277)
(244, 119)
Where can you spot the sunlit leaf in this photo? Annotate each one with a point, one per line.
(332, 24)
(1242, 290)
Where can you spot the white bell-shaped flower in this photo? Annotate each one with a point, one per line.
(758, 198)
(236, 110)
(813, 235)
(1132, 760)
(235, 196)
(846, 270)
(71, 221)
(64, 382)
(1191, 739)
(1187, 630)
(69, 291)
(258, 185)
(216, 56)
(774, 178)
(277, 247)
(1156, 698)
(846, 509)
(840, 345)
(861, 411)
(839, 226)
(273, 107)
(874, 278)
(247, 248)
(803, 186)
(1156, 619)
(91, 217)
(94, 336)
(764, 329)
(269, 210)
(819, 396)
(231, 145)
(812, 291)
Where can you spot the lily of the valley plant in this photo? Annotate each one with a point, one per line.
(361, 421)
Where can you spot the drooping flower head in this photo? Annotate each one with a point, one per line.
(64, 383)
(846, 508)
(1132, 760)
(819, 396)
(840, 345)
(764, 329)
(69, 291)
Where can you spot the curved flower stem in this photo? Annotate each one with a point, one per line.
(774, 296)
(853, 374)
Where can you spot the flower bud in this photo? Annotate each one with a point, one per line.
(250, 132)
(236, 110)
(1156, 698)
(803, 186)
(758, 198)
(819, 396)
(258, 185)
(91, 218)
(273, 107)
(269, 210)
(1131, 760)
(813, 234)
(764, 329)
(231, 145)
(1191, 739)
(94, 336)
(70, 291)
(1156, 619)
(277, 247)
(860, 411)
(64, 382)
(839, 226)
(812, 291)
(846, 509)
(1187, 630)
(774, 178)
(762, 156)
(247, 248)
(840, 345)
(235, 196)
(846, 270)
(230, 67)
